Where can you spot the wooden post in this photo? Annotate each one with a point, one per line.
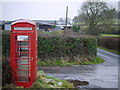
(66, 20)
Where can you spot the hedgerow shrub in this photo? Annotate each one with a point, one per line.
(109, 43)
(6, 43)
(76, 28)
(57, 47)
(5, 71)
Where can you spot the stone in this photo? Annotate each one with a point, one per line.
(59, 83)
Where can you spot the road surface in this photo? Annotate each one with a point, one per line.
(103, 75)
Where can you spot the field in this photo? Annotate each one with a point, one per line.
(52, 32)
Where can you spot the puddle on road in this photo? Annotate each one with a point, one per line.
(78, 82)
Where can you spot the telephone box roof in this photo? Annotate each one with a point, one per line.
(28, 21)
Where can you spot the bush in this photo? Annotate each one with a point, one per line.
(109, 43)
(76, 28)
(6, 43)
(57, 47)
(5, 71)
(52, 47)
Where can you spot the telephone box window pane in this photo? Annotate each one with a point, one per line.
(21, 56)
(24, 79)
(23, 73)
(23, 67)
(22, 28)
(23, 61)
(23, 43)
(22, 37)
(23, 49)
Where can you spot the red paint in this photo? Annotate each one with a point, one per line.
(23, 53)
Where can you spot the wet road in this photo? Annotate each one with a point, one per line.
(103, 75)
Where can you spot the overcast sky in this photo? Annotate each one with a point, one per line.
(41, 9)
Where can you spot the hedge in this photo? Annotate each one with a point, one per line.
(6, 77)
(109, 43)
(6, 43)
(57, 47)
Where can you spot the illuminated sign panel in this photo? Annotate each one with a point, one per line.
(22, 28)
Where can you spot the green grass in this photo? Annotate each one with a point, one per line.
(109, 50)
(109, 35)
(56, 62)
(44, 81)
(53, 32)
(96, 60)
(92, 60)
(66, 84)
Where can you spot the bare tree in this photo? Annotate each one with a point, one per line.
(79, 18)
(93, 13)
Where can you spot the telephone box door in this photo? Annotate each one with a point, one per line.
(23, 57)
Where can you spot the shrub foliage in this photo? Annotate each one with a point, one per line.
(109, 43)
(58, 46)
(6, 44)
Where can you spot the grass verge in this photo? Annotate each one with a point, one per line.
(44, 81)
(52, 32)
(96, 60)
(93, 60)
(109, 50)
(109, 35)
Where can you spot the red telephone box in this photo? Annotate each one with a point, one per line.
(23, 52)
